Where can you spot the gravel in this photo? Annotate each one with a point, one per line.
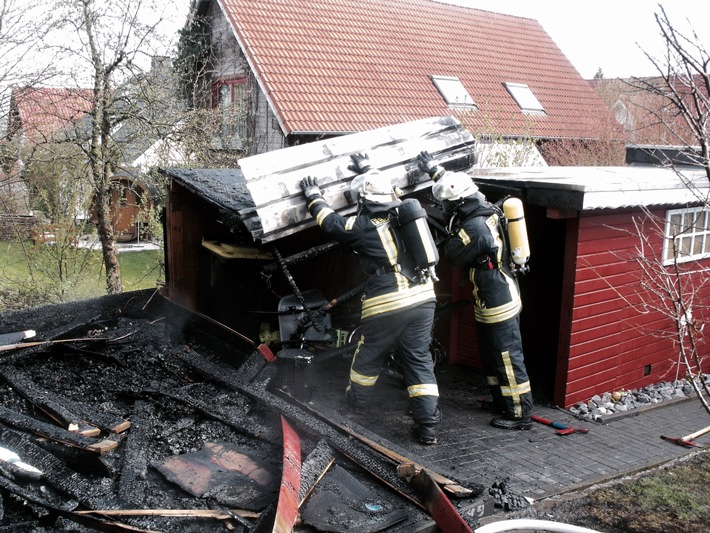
(602, 406)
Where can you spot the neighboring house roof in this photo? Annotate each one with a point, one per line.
(647, 117)
(587, 188)
(352, 65)
(43, 112)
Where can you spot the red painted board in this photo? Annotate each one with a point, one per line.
(287, 508)
(438, 505)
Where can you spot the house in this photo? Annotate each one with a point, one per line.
(293, 72)
(643, 108)
(42, 115)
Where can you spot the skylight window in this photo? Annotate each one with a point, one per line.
(453, 91)
(524, 97)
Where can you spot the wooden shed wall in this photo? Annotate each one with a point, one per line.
(613, 345)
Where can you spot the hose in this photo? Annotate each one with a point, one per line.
(525, 524)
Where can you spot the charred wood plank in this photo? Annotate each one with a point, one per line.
(85, 520)
(132, 486)
(236, 418)
(382, 468)
(287, 507)
(51, 406)
(101, 419)
(16, 336)
(48, 431)
(56, 473)
(315, 466)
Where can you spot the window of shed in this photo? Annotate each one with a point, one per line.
(453, 91)
(687, 235)
(524, 97)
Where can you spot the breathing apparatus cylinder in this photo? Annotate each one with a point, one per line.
(517, 231)
(417, 237)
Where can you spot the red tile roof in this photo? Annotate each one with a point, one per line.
(352, 65)
(42, 112)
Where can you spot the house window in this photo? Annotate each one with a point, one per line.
(230, 99)
(687, 235)
(453, 91)
(524, 97)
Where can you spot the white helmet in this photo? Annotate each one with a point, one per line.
(375, 186)
(453, 186)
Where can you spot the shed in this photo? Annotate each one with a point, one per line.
(582, 328)
(226, 229)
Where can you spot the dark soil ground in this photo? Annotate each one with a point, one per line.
(671, 499)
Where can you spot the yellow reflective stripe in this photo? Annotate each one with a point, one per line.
(425, 389)
(402, 282)
(314, 201)
(465, 239)
(322, 214)
(492, 380)
(349, 223)
(387, 240)
(356, 377)
(365, 381)
(429, 247)
(515, 389)
(397, 300)
(497, 314)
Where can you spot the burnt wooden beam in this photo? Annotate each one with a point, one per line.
(51, 406)
(48, 431)
(314, 467)
(56, 473)
(132, 486)
(16, 336)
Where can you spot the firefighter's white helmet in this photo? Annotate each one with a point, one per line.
(375, 186)
(454, 186)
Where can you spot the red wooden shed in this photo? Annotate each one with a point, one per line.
(585, 327)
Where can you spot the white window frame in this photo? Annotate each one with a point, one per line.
(690, 228)
(525, 98)
(453, 92)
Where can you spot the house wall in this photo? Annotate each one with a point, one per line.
(613, 345)
(264, 131)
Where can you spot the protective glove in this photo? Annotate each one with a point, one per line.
(310, 188)
(428, 165)
(360, 164)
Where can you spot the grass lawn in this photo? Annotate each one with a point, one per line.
(80, 274)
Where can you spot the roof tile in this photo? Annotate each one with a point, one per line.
(368, 57)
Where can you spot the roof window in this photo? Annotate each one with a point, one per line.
(453, 91)
(524, 97)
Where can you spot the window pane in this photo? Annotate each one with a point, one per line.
(684, 246)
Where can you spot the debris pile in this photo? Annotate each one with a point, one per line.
(134, 415)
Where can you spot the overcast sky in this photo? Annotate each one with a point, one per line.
(606, 34)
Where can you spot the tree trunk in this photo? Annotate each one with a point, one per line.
(108, 243)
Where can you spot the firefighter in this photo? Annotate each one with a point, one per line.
(398, 304)
(477, 242)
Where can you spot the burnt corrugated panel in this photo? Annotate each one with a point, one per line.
(273, 178)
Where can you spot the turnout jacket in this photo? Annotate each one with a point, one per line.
(478, 243)
(371, 234)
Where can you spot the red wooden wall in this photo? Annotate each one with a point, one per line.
(613, 345)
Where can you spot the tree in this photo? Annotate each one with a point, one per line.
(673, 284)
(104, 44)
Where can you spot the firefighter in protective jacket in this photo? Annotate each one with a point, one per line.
(398, 304)
(477, 242)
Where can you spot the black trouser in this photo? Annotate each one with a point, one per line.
(411, 331)
(501, 351)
